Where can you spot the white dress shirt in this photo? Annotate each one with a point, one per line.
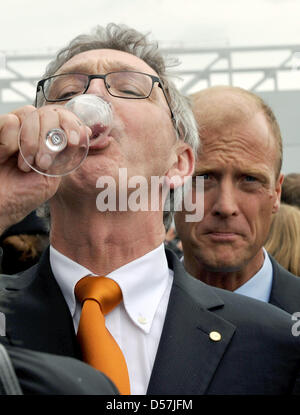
(260, 285)
(137, 322)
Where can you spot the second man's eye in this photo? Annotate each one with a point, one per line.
(249, 178)
(205, 176)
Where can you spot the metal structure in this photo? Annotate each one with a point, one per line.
(273, 72)
(266, 62)
(207, 63)
(19, 74)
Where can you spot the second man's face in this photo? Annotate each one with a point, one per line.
(240, 195)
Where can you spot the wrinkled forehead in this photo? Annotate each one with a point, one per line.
(242, 144)
(100, 61)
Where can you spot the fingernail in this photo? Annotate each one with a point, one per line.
(45, 161)
(30, 160)
(24, 166)
(74, 138)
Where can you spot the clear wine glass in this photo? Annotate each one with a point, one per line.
(58, 155)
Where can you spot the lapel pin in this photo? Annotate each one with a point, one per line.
(215, 336)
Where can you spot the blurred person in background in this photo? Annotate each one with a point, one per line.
(283, 241)
(240, 163)
(291, 189)
(172, 241)
(22, 244)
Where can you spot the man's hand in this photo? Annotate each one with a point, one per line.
(22, 189)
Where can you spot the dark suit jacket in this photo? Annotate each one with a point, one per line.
(285, 292)
(47, 374)
(257, 353)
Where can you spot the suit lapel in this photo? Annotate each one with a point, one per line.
(187, 357)
(285, 292)
(40, 319)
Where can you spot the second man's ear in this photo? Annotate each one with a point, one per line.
(278, 186)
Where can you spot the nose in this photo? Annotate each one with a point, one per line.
(225, 202)
(97, 87)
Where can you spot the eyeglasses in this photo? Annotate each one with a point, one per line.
(121, 84)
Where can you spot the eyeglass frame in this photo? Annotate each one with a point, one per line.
(40, 85)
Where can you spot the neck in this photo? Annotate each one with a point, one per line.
(226, 279)
(103, 242)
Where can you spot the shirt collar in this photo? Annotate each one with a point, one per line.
(142, 281)
(260, 285)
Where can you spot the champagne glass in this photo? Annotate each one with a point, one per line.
(63, 154)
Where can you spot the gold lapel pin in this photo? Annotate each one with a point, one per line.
(215, 336)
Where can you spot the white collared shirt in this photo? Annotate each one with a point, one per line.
(260, 285)
(137, 322)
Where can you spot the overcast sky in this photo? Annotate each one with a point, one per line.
(39, 24)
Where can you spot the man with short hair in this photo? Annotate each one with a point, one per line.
(240, 162)
(169, 333)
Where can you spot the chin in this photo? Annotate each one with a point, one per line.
(222, 262)
(82, 180)
(223, 267)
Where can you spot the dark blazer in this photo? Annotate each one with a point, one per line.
(285, 292)
(250, 357)
(47, 374)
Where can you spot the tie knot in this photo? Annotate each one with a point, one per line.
(101, 289)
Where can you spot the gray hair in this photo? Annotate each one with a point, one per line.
(126, 39)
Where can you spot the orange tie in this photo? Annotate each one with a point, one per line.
(99, 296)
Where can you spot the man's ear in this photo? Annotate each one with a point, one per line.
(278, 186)
(183, 165)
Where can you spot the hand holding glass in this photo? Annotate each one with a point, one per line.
(64, 153)
(55, 153)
